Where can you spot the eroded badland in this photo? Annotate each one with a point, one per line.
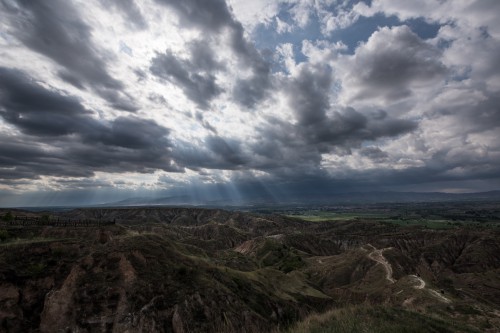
(209, 270)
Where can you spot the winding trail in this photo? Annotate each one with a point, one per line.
(377, 256)
(421, 285)
(421, 282)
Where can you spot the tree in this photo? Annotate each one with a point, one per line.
(8, 217)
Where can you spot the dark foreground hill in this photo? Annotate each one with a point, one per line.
(201, 270)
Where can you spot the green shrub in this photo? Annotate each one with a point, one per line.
(291, 263)
(36, 270)
(8, 217)
(4, 235)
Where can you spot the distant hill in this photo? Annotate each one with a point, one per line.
(383, 197)
(147, 201)
(340, 198)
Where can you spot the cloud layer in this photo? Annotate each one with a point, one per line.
(269, 97)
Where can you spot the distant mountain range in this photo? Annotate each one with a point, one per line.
(141, 201)
(339, 198)
(386, 197)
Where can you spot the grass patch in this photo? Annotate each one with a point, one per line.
(36, 270)
(4, 235)
(430, 224)
(320, 216)
(25, 241)
(376, 319)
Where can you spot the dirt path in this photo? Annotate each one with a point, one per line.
(439, 296)
(421, 283)
(377, 256)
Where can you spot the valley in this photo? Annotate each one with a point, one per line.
(170, 269)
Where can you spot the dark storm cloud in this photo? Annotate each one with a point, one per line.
(194, 76)
(116, 159)
(227, 151)
(71, 79)
(250, 91)
(201, 119)
(391, 63)
(130, 10)
(128, 132)
(203, 57)
(374, 153)
(309, 94)
(317, 124)
(285, 144)
(303, 183)
(21, 158)
(477, 116)
(54, 28)
(157, 98)
(256, 87)
(214, 152)
(65, 140)
(118, 100)
(486, 115)
(36, 110)
(436, 171)
(212, 17)
(293, 148)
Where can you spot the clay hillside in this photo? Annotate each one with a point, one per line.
(207, 270)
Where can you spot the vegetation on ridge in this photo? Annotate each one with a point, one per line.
(202, 270)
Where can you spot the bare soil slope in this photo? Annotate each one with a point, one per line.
(200, 270)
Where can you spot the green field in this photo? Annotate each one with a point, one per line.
(377, 319)
(431, 222)
(319, 216)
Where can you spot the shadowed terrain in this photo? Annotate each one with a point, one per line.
(210, 270)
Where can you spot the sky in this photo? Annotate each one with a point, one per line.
(103, 100)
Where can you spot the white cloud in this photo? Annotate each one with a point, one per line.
(316, 111)
(476, 13)
(253, 13)
(392, 65)
(282, 26)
